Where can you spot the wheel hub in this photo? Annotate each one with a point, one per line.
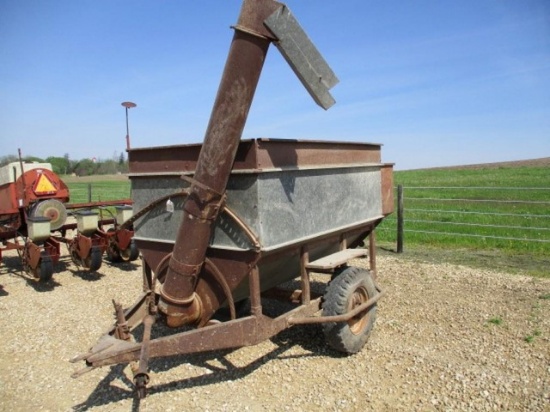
(358, 323)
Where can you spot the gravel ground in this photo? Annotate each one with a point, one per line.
(446, 338)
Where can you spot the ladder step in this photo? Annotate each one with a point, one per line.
(336, 259)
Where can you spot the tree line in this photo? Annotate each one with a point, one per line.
(84, 167)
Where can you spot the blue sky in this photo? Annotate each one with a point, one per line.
(437, 82)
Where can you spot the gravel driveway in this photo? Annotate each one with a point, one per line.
(446, 338)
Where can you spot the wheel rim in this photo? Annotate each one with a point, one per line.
(125, 254)
(359, 322)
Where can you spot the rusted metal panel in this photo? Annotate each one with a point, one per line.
(387, 189)
(281, 153)
(256, 154)
(164, 159)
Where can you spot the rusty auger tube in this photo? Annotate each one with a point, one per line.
(239, 80)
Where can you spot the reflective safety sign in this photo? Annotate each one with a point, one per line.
(44, 186)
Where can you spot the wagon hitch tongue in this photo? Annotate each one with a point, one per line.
(119, 340)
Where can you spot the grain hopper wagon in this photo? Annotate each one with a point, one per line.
(231, 221)
(34, 213)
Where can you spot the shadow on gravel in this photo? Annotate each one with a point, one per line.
(218, 368)
(105, 393)
(87, 275)
(42, 286)
(13, 267)
(123, 266)
(218, 374)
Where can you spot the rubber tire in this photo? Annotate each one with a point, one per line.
(129, 254)
(352, 283)
(94, 260)
(45, 268)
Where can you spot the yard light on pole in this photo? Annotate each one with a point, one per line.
(128, 105)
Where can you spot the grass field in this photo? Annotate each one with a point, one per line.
(101, 188)
(498, 216)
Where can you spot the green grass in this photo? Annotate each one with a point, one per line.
(497, 320)
(103, 188)
(501, 233)
(530, 338)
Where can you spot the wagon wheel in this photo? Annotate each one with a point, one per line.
(129, 254)
(44, 270)
(338, 271)
(353, 287)
(93, 261)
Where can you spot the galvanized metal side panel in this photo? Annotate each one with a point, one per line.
(297, 204)
(162, 222)
(281, 207)
(158, 224)
(243, 199)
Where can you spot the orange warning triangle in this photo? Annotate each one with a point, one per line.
(44, 186)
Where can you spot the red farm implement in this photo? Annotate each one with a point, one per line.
(36, 218)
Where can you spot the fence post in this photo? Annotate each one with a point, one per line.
(89, 192)
(400, 219)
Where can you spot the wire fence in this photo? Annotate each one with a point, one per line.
(99, 192)
(479, 217)
(499, 217)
